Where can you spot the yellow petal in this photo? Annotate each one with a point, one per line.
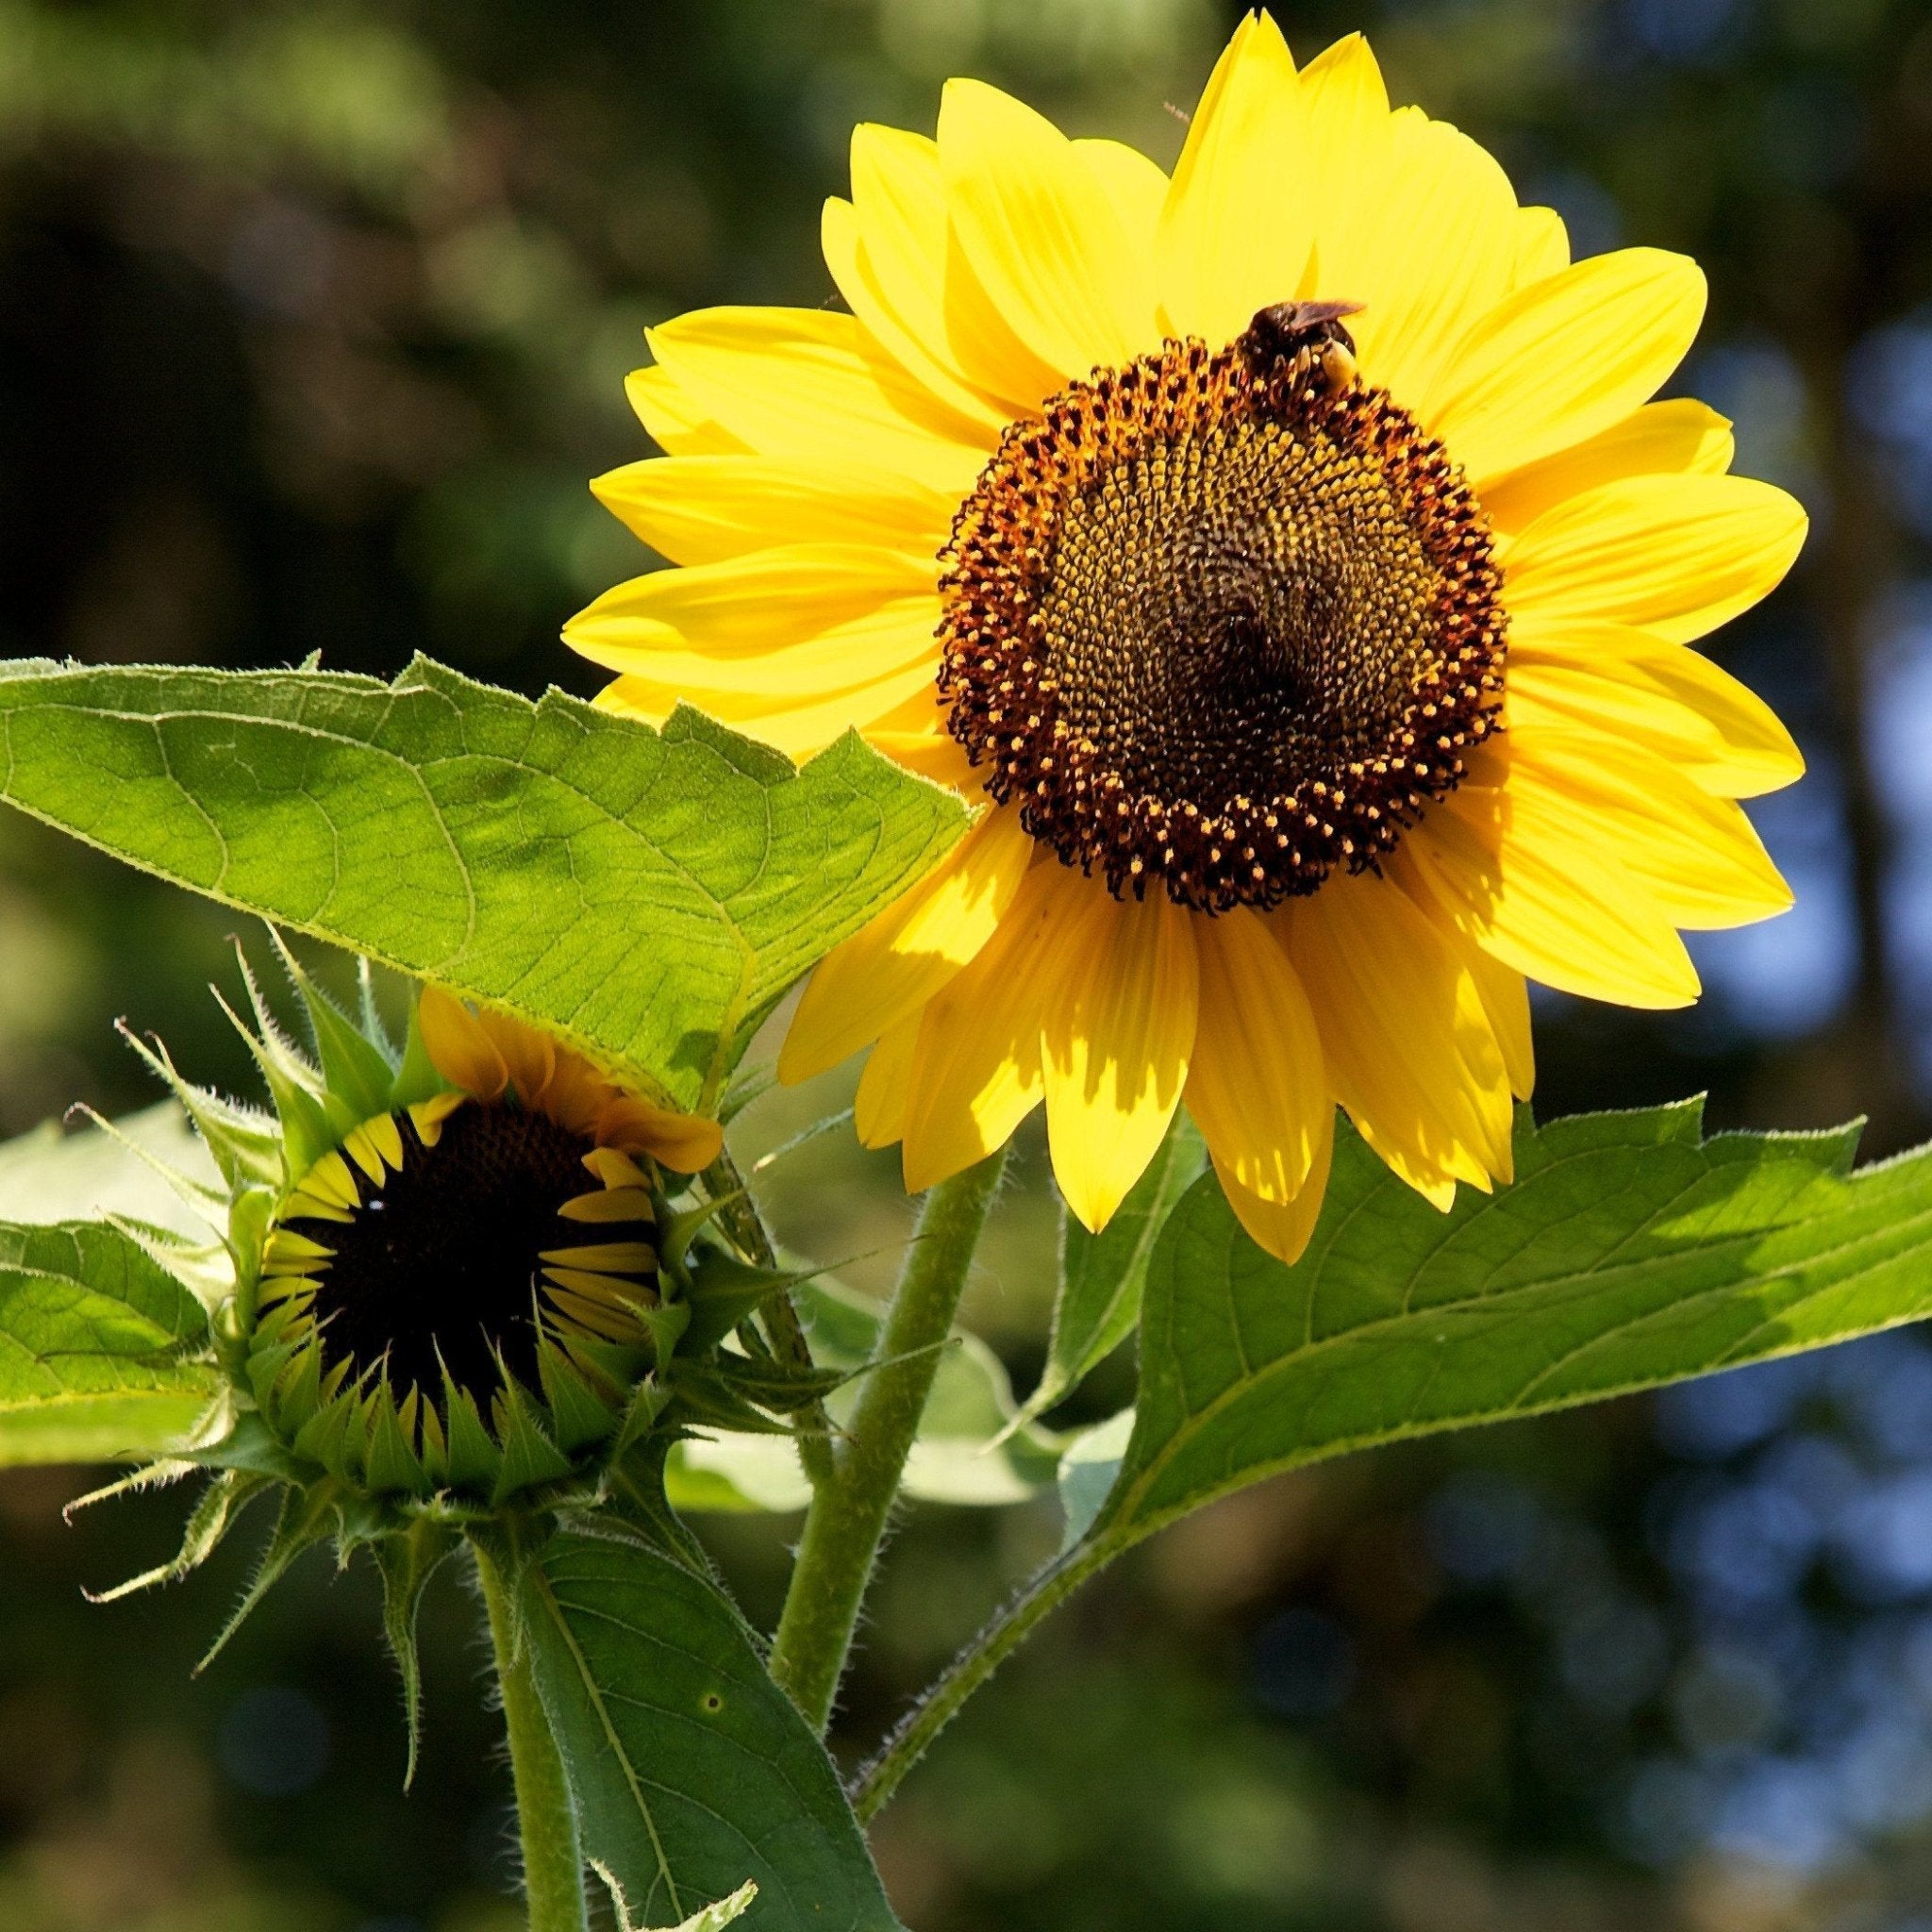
(610, 1257)
(799, 722)
(809, 383)
(1542, 244)
(361, 1148)
(878, 1109)
(1659, 438)
(529, 1055)
(615, 1168)
(749, 605)
(1674, 554)
(1255, 1084)
(673, 419)
(707, 510)
(1238, 221)
(1506, 869)
(1136, 186)
(1565, 358)
(915, 734)
(1665, 696)
(1281, 1231)
(289, 1253)
(850, 658)
(931, 754)
(1505, 994)
(923, 277)
(1407, 1043)
(608, 1203)
(1504, 991)
(685, 1143)
(1041, 233)
(587, 1295)
(920, 352)
(1698, 856)
(1437, 251)
(1348, 140)
(976, 1072)
(427, 1116)
(458, 1045)
(1117, 1042)
(331, 1182)
(889, 968)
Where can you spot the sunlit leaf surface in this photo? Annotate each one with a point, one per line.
(1630, 1252)
(94, 1339)
(650, 895)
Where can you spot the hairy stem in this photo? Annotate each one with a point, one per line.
(940, 1702)
(547, 1818)
(846, 1522)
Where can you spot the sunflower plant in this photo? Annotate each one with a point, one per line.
(1185, 650)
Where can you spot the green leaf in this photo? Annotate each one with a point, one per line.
(1630, 1252)
(693, 1771)
(649, 895)
(1102, 1275)
(94, 1341)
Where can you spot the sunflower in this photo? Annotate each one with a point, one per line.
(1290, 558)
(447, 1238)
(487, 1241)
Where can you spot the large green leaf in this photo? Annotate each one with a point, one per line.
(94, 1343)
(1630, 1252)
(651, 894)
(693, 1771)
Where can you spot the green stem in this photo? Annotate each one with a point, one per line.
(846, 1522)
(546, 1816)
(967, 1671)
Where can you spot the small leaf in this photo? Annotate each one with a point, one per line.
(407, 1561)
(649, 895)
(356, 1073)
(211, 1520)
(712, 1919)
(1630, 1252)
(692, 1771)
(724, 1291)
(1102, 1275)
(97, 1345)
(305, 1519)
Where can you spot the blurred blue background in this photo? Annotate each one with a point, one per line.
(313, 322)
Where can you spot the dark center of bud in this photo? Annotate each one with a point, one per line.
(445, 1263)
(1221, 621)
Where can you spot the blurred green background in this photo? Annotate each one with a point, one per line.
(313, 322)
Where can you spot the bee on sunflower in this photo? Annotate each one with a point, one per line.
(1290, 557)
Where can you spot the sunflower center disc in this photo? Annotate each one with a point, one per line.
(444, 1258)
(1213, 624)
